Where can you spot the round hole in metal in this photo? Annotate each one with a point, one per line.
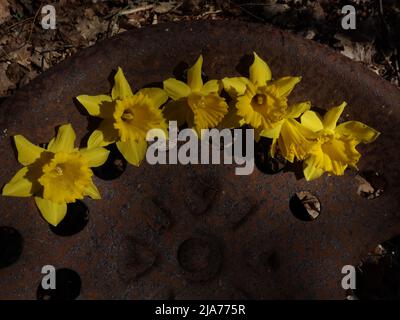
(68, 286)
(75, 220)
(305, 206)
(11, 246)
(371, 184)
(378, 275)
(114, 167)
(264, 162)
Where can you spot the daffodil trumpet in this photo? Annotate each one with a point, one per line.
(56, 175)
(127, 117)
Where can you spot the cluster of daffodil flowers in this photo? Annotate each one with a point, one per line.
(320, 142)
(61, 174)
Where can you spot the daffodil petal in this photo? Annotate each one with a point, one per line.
(95, 105)
(19, 185)
(310, 171)
(52, 212)
(212, 86)
(332, 116)
(176, 89)
(272, 150)
(312, 121)
(176, 111)
(260, 72)
(284, 86)
(92, 191)
(292, 141)
(96, 139)
(194, 75)
(274, 132)
(121, 88)
(96, 156)
(341, 152)
(64, 141)
(358, 130)
(157, 95)
(103, 136)
(235, 86)
(27, 151)
(296, 110)
(134, 152)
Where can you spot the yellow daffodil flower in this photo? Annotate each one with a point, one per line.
(263, 104)
(57, 175)
(260, 101)
(289, 135)
(334, 146)
(197, 104)
(127, 117)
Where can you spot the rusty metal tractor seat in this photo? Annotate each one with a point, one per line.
(200, 231)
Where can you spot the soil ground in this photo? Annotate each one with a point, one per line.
(26, 49)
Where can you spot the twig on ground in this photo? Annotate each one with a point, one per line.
(116, 12)
(210, 12)
(5, 53)
(136, 10)
(19, 23)
(246, 11)
(33, 23)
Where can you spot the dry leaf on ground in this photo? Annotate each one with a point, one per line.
(4, 11)
(5, 83)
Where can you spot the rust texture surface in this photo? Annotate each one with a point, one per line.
(173, 231)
